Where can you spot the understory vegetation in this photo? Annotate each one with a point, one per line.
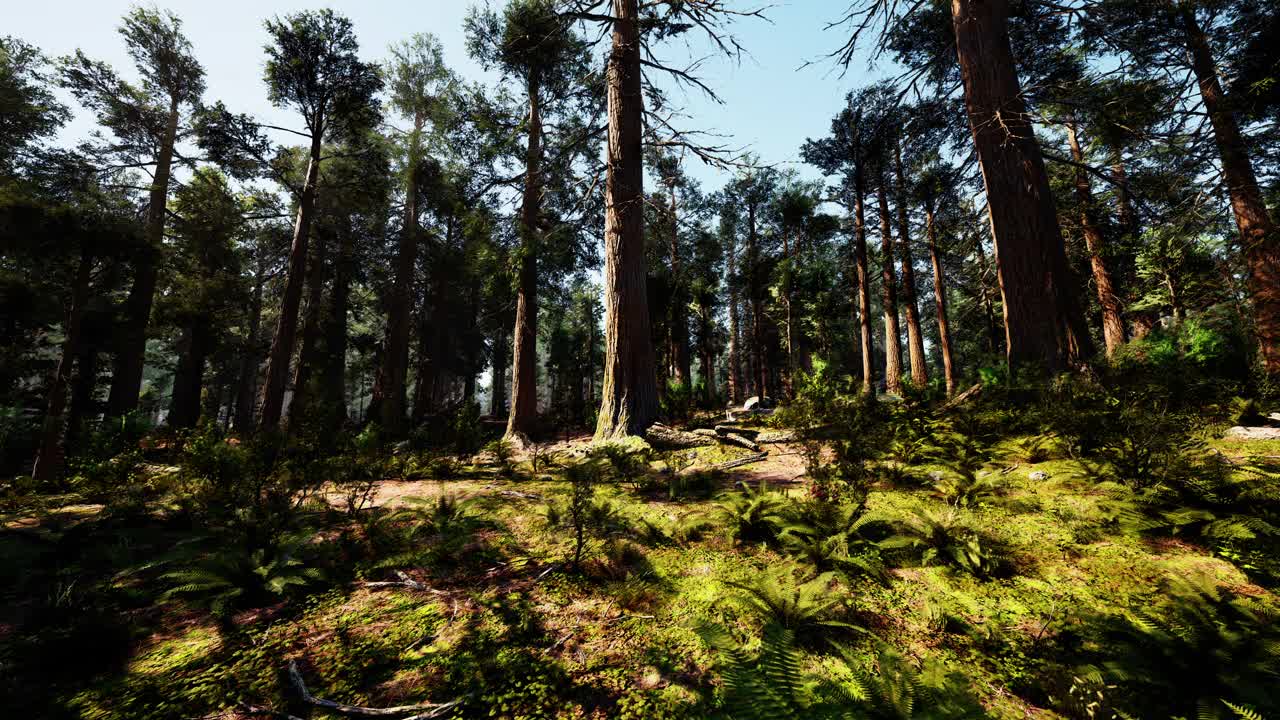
(1007, 557)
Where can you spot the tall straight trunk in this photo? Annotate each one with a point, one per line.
(287, 326)
(247, 384)
(387, 403)
(734, 390)
(1124, 202)
(940, 300)
(1043, 323)
(759, 369)
(498, 392)
(681, 370)
(126, 376)
(333, 385)
(50, 455)
(915, 339)
(310, 352)
(1175, 300)
(1112, 323)
(1259, 238)
(83, 388)
(863, 271)
(524, 377)
(889, 299)
(629, 398)
(985, 292)
(188, 380)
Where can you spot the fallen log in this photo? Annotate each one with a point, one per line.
(962, 398)
(736, 439)
(424, 711)
(668, 438)
(776, 437)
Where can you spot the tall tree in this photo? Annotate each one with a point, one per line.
(915, 339)
(418, 79)
(146, 122)
(312, 67)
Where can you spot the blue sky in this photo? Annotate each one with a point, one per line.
(770, 105)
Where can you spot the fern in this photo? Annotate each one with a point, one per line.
(754, 514)
(778, 597)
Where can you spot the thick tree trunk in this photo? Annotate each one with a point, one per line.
(915, 339)
(311, 351)
(126, 376)
(1043, 323)
(387, 403)
(83, 388)
(1259, 237)
(524, 377)
(1112, 323)
(863, 271)
(188, 380)
(286, 327)
(940, 301)
(50, 455)
(759, 367)
(629, 399)
(247, 385)
(889, 299)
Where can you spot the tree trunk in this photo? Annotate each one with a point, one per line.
(83, 389)
(1124, 203)
(734, 352)
(333, 386)
(679, 326)
(498, 393)
(863, 275)
(188, 380)
(248, 383)
(940, 301)
(1043, 324)
(387, 403)
(50, 456)
(524, 377)
(126, 376)
(915, 340)
(759, 369)
(984, 271)
(1112, 323)
(1258, 235)
(629, 398)
(286, 327)
(889, 299)
(311, 352)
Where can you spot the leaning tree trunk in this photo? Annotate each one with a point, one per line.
(940, 301)
(126, 375)
(524, 377)
(889, 299)
(50, 455)
(864, 277)
(1043, 323)
(915, 339)
(1112, 323)
(387, 403)
(287, 326)
(1258, 235)
(629, 398)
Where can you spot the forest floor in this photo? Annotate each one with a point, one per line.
(495, 599)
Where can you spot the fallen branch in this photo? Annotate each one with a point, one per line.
(425, 711)
(405, 581)
(962, 398)
(736, 439)
(729, 464)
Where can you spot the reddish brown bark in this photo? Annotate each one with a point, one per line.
(734, 353)
(1112, 323)
(940, 301)
(1258, 236)
(862, 272)
(629, 398)
(915, 339)
(524, 368)
(1043, 324)
(681, 371)
(889, 299)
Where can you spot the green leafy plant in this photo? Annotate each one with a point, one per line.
(224, 578)
(943, 537)
(503, 454)
(828, 536)
(754, 514)
(792, 598)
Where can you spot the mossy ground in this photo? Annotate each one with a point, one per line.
(509, 626)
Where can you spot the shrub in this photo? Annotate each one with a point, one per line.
(754, 514)
(792, 598)
(943, 537)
